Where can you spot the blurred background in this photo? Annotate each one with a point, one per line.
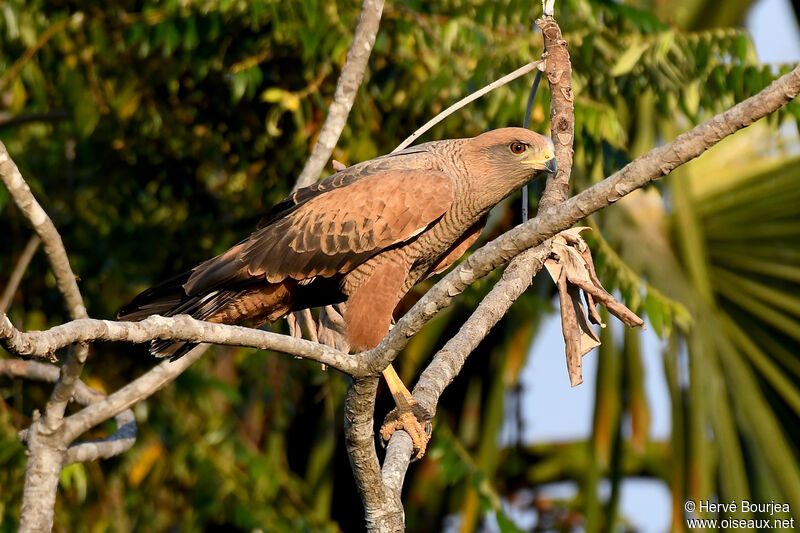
(155, 134)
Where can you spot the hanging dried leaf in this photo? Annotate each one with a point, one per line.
(572, 268)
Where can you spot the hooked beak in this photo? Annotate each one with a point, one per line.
(547, 163)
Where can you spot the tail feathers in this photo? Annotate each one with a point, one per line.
(170, 299)
(158, 300)
(171, 349)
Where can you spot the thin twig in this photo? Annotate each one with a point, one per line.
(8, 119)
(467, 100)
(12, 72)
(346, 89)
(19, 270)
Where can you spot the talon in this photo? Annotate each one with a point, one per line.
(416, 422)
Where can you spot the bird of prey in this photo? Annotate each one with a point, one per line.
(363, 236)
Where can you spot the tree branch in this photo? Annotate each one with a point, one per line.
(395, 464)
(521, 71)
(132, 393)
(449, 360)
(19, 270)
(181, 327)
(562, 115)
(65, 278)
(381, 512)
(53, 246)
(45, 449)
(44, 446)
(518, 276)
(116, 444)
(636, 174)
(47, 373)
(346, 89)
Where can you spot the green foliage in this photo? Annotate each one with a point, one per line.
(155, 134)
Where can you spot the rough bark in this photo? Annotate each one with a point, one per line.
(381, 512)
(562, 115)
(181, 327)
(45, 459)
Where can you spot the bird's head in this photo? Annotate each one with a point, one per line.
(503, 160)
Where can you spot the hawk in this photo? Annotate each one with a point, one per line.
(364, 236)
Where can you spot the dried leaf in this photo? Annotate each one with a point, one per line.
(569, 326)
(572, 268)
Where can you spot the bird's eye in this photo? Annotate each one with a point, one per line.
(517, 147)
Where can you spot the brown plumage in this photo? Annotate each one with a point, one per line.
(365, 235)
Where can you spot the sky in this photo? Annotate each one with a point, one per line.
(554, 411)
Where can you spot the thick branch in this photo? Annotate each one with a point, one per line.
(562, 115)
(382, 512)
(346, 90)
(395, 464)
(45, 459)
(181, 327)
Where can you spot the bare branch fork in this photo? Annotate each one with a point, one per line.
(116, 444)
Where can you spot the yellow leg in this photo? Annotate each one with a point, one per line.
(400, 393)
(408, 416)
